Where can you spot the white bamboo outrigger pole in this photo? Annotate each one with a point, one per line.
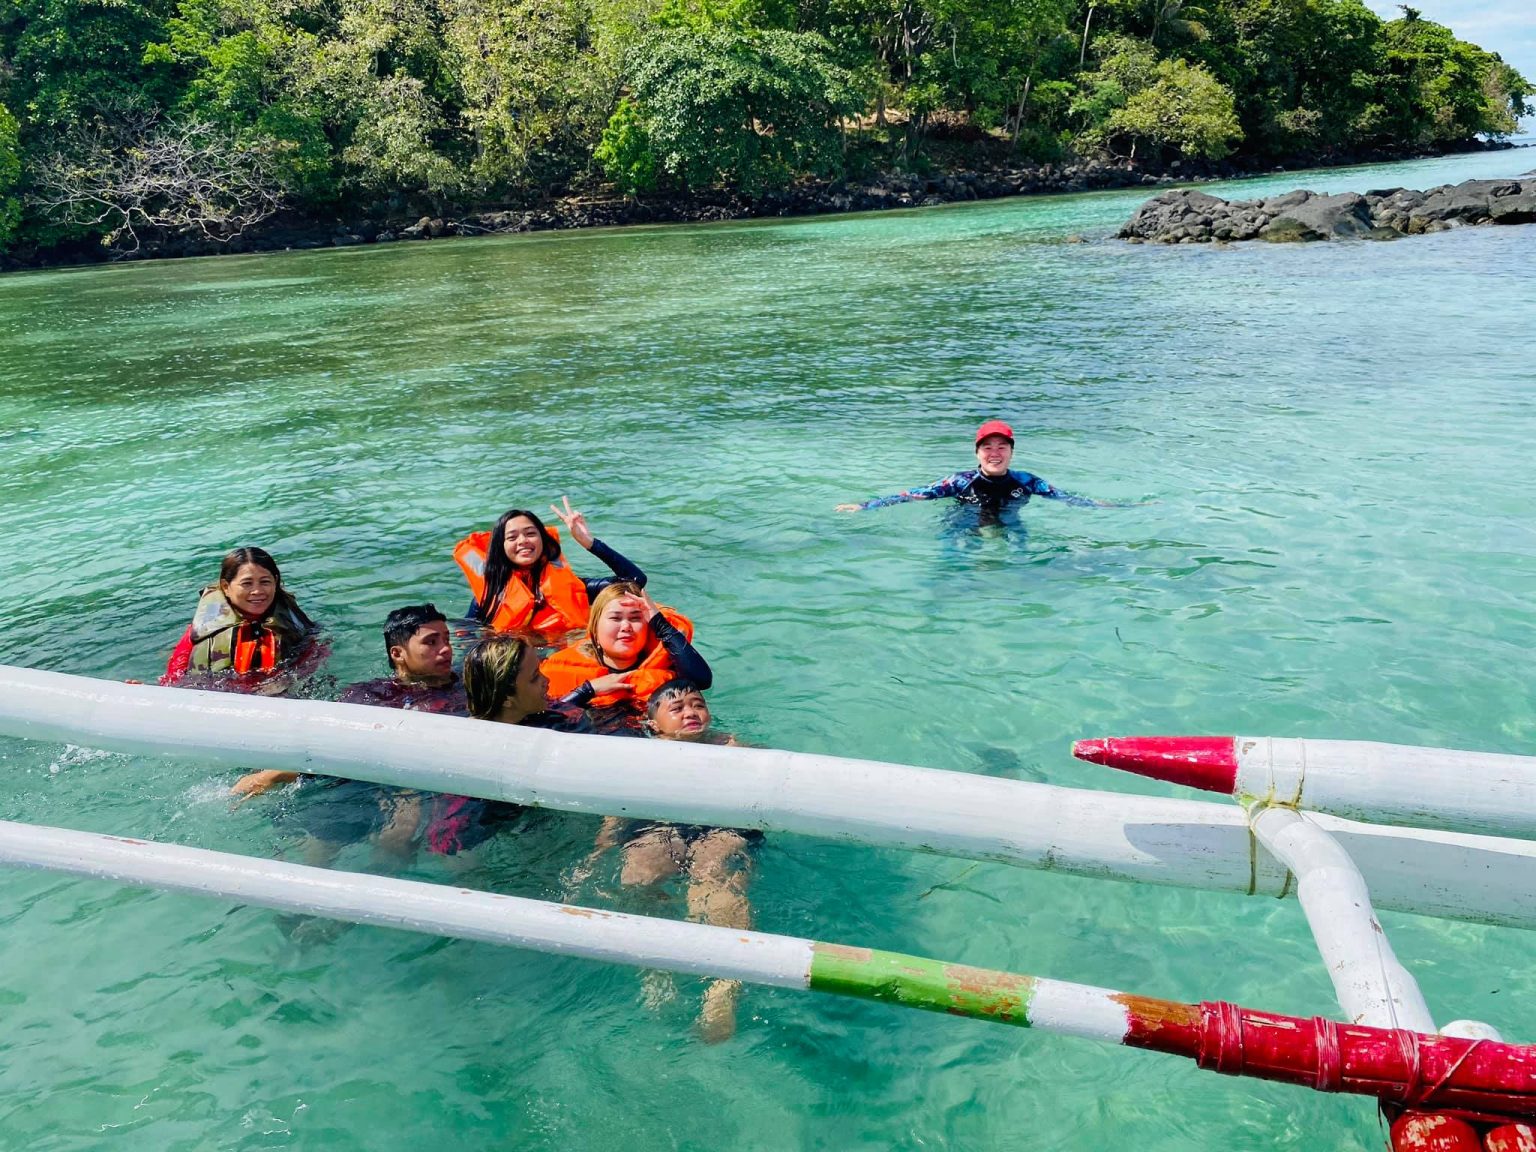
(1100, 834)
(1397, 1066)
(1486, 793)
(1372, 986)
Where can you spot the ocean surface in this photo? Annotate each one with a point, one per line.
(1337, 443)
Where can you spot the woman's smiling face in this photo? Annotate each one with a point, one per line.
(523, 542)
(252, 590)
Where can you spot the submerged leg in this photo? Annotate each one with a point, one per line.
(402, 817)
(655, 855)
(717, 894)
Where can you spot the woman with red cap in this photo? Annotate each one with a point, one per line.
(992, 486)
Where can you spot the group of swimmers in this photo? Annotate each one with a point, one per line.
(556, 651)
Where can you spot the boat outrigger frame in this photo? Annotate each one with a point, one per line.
(1459, 1083)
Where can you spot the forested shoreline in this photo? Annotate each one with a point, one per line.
(138, 127)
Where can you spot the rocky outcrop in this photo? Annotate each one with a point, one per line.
(1188, 216)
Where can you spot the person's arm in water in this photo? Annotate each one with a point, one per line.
(951, 485)
(1039, 487)
(181, 659)
(581, 695)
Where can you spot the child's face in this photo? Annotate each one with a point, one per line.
(681, 717)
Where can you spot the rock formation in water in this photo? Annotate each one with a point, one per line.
(1187, 216)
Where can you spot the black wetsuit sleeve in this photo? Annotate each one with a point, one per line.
(686, 660)
(577, 698)
(624, 570)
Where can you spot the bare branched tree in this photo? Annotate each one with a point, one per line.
(144, 174)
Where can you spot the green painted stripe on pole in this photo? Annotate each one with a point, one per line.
(915, 982)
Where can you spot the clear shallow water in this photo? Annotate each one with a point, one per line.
(1337, 438)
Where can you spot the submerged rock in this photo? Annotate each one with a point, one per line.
(1188, 216)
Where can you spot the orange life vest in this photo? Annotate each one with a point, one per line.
(224, 640)
(570, 668)
(565, 597)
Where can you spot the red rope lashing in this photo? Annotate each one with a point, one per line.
(1224, 1029)
(1434, 1089)
(1413, 1067)
(1329, 1075)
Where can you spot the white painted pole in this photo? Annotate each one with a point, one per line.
(1484, 793)
(1102, 834)
(1372, 986)
(443, 910)
(1472, 1075)
(1478, 792)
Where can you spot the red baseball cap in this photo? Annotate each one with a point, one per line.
(994, 428)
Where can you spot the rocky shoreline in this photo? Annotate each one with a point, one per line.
(983, 179)
(1189, 216)
(808, 198)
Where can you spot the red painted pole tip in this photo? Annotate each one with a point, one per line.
(1207, 762)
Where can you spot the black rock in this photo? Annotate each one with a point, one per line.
(1320, 218)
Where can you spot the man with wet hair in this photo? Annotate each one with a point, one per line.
(341, 812)
(992, 486)
(420, 654)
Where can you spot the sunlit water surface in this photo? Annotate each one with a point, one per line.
(1338, 440)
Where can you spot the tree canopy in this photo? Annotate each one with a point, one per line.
(211, 114)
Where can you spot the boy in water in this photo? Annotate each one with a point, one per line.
(991, 487)
(677, 711)
(420, 654)
(715, 859)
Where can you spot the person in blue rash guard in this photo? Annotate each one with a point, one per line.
(992, 487)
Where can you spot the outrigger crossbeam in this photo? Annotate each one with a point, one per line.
(1461, 1089)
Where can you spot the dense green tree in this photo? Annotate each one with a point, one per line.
(745, 108)
(65, 59)
(243, 64)
(1444, 90)
(388, 106)
(1185, 109)
(1125, 67)
(534, 82)
(10, 175)
(625, 151)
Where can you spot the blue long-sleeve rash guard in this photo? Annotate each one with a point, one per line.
(992, 493)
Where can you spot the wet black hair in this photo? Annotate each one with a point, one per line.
(403, 623)
(677, 686)
(498, 569)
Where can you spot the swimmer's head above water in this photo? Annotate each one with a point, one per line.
(502, 680)
(994, 448)
(250, 581)
(619, 628)
(677, 711)
(521, 540)
(417, 644)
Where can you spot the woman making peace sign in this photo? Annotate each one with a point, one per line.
(521, 581)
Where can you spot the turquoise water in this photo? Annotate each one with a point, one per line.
(1337, 439)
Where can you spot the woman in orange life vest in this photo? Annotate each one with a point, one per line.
(246, 625)
(521, 581)
(632, 648)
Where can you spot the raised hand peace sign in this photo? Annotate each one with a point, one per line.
(574, 521)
